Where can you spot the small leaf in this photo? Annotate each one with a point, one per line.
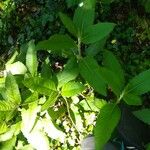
(58, 43)
(111, 62)
(90, 71)
(69, 73)
(139, 84)
(97, 32)
(31, 59)
(106, 122)
(32, 98)
(72, 88)
(51, 101)
(68, 23)
(143, 115)
(132, 99)
(12, 91)
(16, 68)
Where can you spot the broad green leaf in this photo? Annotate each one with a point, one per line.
(6, 105)
(3, 127)
(16, 68)
(84, 16)
(112, 80)
(132, 99)
(105, 124)
(31, 59)
(95, 48)
(90, 71)
(72, 88)
(97, 32)
(12, 131)
(69, 73)
(2, 83)
(12, 92)
(139, 84)
(9, 144)
(58, 44)
(42, 86)
(32, 98)
(51, 101)
(99, 103)
(143, 115)
(68, 23)
(110, 61)
(29, 117)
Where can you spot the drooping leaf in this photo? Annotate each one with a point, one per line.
(72, 88)
(90, 71)
(111, 62)
(106, 122)
(58, 44)
(51, 101)
(32, 98)
(69, 73)
(97, 32)
(132, 99)
(9, 144)
(16, 68)
(12, 92)
(31, 59)
(13, 131)
(41, 85)
(139, 84)
(68, 23)
(6, 105)
(143, 115)
(29, 117)
(84, 16)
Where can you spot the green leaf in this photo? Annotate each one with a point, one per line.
(90, 71)
(9, 145)
(16, 68)
(105, 124)
(12, 131)
(143, 115)
(51, 100)
(139, 84)
(95, 48)
(111, 62)
(32, 98)
(72, 88)
(58, 44)
(68, 23)
(31, 59)
(12, 92)
(69, 73)
(3, 127)
(97, 32)
(6, 105)
(112, 80)
(84, 16)
(132, 99)
(42, 86)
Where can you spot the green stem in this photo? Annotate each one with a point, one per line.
(79, 47)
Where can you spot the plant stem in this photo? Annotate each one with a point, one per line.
(79, 47)
(70, 116)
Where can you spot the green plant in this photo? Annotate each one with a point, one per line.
(34, 96)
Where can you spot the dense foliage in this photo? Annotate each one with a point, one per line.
(69, 68)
